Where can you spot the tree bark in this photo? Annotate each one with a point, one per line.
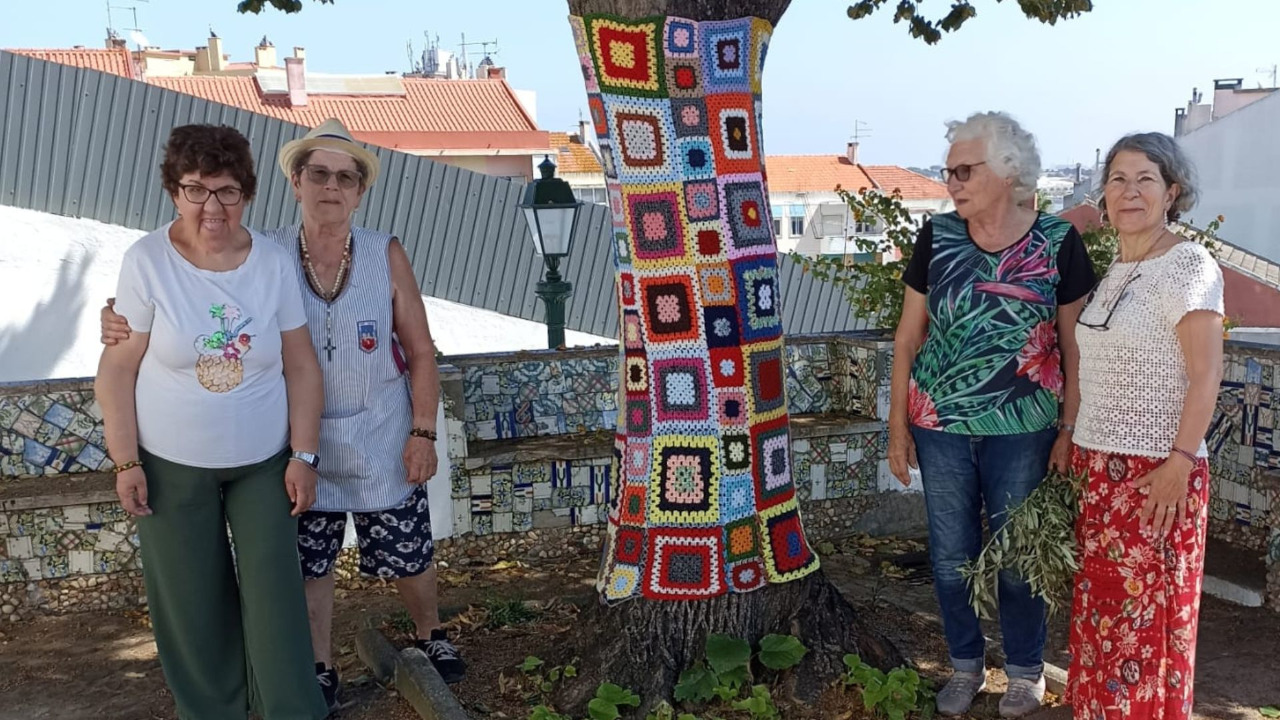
(644, 646)
(771, 10)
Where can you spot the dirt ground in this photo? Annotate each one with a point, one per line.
(103, 666)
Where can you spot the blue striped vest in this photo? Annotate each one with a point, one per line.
(367, 407)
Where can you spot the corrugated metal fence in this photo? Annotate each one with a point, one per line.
(82, 143)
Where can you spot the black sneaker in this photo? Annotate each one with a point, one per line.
(327, 677)
(443, 655)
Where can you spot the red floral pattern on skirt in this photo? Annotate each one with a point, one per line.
(1137, 600)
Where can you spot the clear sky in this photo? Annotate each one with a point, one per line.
(1078, 86)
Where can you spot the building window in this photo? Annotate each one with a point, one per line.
(796, 213)
(597, 195)
(777, 226)
(866, 226)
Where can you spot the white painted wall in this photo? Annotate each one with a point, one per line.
(55, 273)
(1238, 158)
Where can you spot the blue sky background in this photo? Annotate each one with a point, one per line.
(1078, 86)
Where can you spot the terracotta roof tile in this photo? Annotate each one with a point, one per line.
(814, 173)
(574, 157)
(427, 105)
(822, 173)
(116, 61)
(913, 186)
(481, 113)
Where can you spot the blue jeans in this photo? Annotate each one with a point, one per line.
(963, 473)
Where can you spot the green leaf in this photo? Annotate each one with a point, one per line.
(736, 677)
(779, 652)
(602, 710)
(1269, 711)
(696, 683)
(530, 664)
(725, 653)
(570, 671)
(617, 695)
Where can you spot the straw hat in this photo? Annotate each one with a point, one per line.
(329, 135)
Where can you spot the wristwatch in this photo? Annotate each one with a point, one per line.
(311, 459)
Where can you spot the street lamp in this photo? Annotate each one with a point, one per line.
(552, 213)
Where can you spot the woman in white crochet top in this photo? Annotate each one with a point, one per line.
(1150, 339)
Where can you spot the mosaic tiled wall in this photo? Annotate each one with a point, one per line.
(50, 428)
(48, 543)
(538, 397)
(518, 497)
(541, 394)
(1245, 459)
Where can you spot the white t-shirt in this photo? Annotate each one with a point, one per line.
(210, 390)
(1133, 376)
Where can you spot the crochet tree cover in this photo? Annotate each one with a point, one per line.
(703, 500)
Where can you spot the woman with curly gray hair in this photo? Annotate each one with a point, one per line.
(984, 387)
(1150, 341)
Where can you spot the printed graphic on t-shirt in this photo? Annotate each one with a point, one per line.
(219, 367)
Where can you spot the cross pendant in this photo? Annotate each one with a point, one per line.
(329, 348)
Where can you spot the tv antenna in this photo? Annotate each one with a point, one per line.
(136, 32)
(484, 51)
(860, 130)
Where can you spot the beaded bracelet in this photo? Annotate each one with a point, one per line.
(424, 433)
(1190, 458)
(126, 466)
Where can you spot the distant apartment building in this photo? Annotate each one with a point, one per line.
(809, 218)
(1234, 141)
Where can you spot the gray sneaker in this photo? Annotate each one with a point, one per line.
(1023, 697)
(957, 695)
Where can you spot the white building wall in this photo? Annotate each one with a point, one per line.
(806, 243)
(1238, 159)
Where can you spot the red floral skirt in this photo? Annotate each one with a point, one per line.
(1137, 600)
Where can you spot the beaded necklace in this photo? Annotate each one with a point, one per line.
(328, 296)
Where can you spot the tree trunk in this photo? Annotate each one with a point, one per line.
(704, 534)
(770, 10)
(644, 646)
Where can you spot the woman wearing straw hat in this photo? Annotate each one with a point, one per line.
(377, 435)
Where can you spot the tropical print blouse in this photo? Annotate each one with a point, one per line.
(990, 363)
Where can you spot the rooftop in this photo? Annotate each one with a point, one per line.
(116, 61)
(822, 173)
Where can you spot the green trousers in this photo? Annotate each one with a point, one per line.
(229, 632)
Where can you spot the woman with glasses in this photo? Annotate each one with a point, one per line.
(212, 411)
(1150, 342)
(377, 436)
(983, 393)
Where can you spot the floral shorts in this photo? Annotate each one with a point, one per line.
(394, 543)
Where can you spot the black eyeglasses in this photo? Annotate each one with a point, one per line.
(347, 179)
(199, 194)
(960, 172)
(1106, 322)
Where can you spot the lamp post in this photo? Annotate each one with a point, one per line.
(552, 213)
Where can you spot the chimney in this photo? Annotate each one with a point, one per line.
(114, 41)
(202, 60)
(851, 152)
(295, 73)
(216, 63)
(496, 73)
(265, 54)
(300, 53)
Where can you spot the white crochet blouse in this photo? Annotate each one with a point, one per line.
(1133, 376)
